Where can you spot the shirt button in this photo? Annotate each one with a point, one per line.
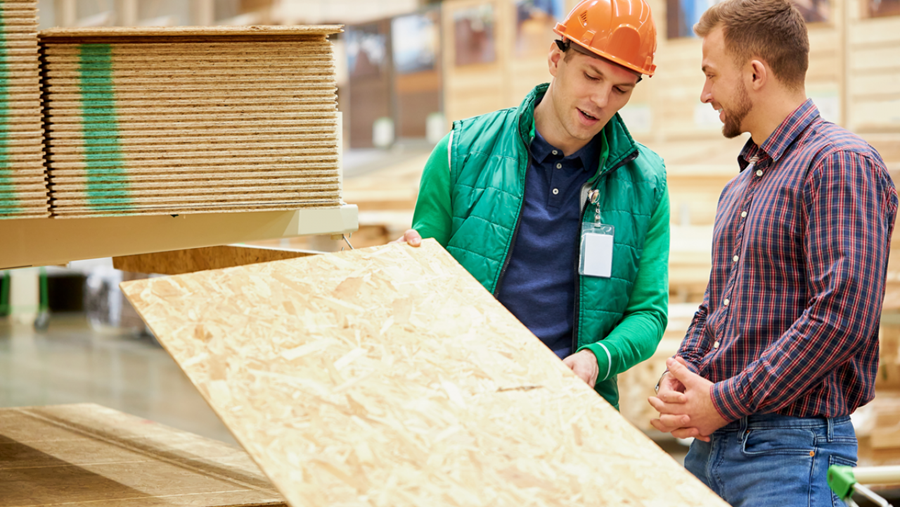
(716, 345)
(743, 214)
(735, 258)
(559, 166)
(759, 172)
(555, 191)
(555, 152)
(726, 302)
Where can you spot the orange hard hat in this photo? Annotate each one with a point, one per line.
(619, 30)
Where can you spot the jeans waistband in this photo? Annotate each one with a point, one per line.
(758, 421)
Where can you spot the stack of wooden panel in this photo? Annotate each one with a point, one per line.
(190, 120)
(23, 187)
(86, 455)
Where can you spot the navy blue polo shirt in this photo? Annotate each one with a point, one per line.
(539, 285)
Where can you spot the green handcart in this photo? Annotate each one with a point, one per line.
(845, 481)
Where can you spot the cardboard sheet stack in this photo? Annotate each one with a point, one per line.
(190, 120)
(23, 189)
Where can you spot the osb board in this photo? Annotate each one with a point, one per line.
(185, 32)
(389, 376)
(178, 262)
(88, 455)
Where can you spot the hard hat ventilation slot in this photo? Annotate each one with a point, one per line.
(583, 18)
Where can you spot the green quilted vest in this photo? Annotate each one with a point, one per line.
(488, 160)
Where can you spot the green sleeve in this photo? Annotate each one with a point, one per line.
(636, 337)
(432, 216)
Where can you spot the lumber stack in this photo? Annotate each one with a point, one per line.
(86, 455)
(190, 120)
(23, 188)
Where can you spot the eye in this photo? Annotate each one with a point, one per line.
(619, 90)
(590, 77)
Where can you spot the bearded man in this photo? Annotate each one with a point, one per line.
(784, 346)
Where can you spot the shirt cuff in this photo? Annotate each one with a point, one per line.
(690, 365)
(728, 399)
(604, 359)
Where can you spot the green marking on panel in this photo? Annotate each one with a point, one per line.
(103, 155)
(7, 204)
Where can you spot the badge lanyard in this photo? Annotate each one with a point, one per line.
(597, 242)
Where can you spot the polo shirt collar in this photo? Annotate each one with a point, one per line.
(541, 150)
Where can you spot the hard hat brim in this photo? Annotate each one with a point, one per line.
(603, 54)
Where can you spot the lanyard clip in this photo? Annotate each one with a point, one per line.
(594, 199)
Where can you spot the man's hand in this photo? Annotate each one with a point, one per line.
(410, 237)
(671, 391)
(584, 365)
(695, 402)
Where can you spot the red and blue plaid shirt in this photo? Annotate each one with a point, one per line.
(789, 322)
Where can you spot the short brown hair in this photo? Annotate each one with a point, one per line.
(772, 30)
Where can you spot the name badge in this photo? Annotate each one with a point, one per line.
(597, 242)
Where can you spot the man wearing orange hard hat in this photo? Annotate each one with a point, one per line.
(553, 206)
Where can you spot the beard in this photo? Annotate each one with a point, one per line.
(734, 118)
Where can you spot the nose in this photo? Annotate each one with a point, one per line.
(600, 97)
(706, 93)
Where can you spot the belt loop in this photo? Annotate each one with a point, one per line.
(829, 423)
(744, 424)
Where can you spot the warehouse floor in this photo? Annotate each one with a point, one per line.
(71, 363)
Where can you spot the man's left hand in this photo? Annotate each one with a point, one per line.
(696, 402)
(584, 365)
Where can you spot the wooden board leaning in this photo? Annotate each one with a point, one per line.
(389, 376)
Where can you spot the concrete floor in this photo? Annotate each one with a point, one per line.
(71, 363)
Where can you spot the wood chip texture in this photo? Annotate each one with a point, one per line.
(390, 377)
(86, 455)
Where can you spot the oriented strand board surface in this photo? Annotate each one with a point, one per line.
(389, 376)
(86, 455)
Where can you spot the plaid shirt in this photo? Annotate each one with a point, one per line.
(789, 322)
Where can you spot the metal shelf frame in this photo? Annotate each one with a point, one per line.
(44, 242)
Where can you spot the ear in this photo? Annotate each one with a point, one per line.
(554, 58)
(757, 74)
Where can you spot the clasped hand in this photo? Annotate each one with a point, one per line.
(684, 403)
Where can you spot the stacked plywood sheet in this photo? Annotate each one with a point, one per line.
(389, 376)
(190, 120)
(23, 189)
(85, 455)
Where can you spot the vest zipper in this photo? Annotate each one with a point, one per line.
(512, 242)
(576, 323)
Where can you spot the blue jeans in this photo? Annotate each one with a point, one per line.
(770, 460)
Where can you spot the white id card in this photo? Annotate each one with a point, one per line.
(596, 250)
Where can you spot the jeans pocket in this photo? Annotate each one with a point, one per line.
(838, 460)
(772, 441)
